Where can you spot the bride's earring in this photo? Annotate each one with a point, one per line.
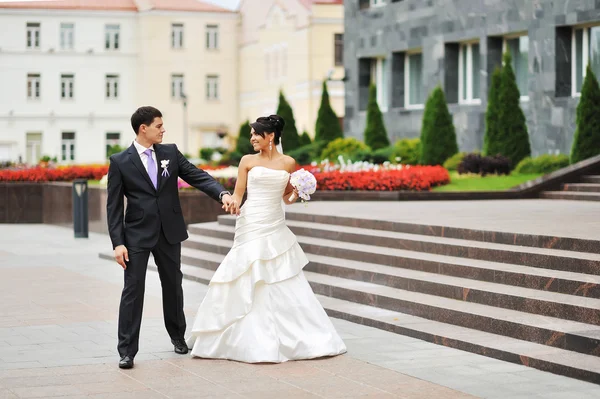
(270, 145)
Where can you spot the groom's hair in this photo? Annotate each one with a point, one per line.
(144, 116)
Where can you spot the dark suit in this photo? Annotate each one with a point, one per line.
(154, 224)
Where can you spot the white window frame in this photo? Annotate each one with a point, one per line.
(34, 86)
(378, 69)
(68, 155)
(505, 47)
(468, 99)
(33, 35)
(585, 57)
(177, 35)
(283, 60)
(67, 86)
(67, 36)
(111, 87)
(212, 87)
(377, 3)
(33, 143)
(111, 142)
(267, 65)
(112, 36)
(407, 103)
(177, 86)
(212, 37)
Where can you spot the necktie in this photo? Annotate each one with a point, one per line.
(151, 167)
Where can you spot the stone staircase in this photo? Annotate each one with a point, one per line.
(527, 299)
(587, 190)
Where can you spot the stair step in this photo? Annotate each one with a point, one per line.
(570, 195)
(581, 262)
(582, 187)
(591, 179)
(554, 360)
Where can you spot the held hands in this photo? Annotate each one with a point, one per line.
(230, 204)
(121, 256)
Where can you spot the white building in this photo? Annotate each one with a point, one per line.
(73, 71)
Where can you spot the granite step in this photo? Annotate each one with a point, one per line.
(580, 262)
(570, 195)
(582, 187)
(591, 179)
(531, 354)
(503, 273)
(497, 237)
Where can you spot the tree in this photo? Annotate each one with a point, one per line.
(375, 133)
(438, 137)
(586, 142)
(490, 138)
(289, 137)
(512, 138)
(328, 126)
(305, 139)
(243, 145)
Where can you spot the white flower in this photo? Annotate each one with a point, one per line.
(164, 163)
(104, 180)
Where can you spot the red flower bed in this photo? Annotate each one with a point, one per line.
(68, 173)
(415, 178)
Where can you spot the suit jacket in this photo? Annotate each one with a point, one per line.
(149, 209)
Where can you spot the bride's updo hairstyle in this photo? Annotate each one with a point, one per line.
(269, 124)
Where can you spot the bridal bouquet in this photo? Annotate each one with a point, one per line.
(305, 184)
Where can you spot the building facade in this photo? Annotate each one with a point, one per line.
(293, 46)
(73, 72)
(408, 47)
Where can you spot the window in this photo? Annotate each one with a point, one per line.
(33, 35)
(468, 73)
(338, 49)
(377, 3)
(283, 60)
(34, 148)
(177, 88)
(274, 64)
(379, 78)
(112, 86)
(68, 146)
(212, 37)
(212, 87)
(414, 93)
(519, 52)
(112, 139)
(67, 86)
(585, 50)
(33, 86)
(176, 35)
(67, 36)
(267, 66)
(111, 39)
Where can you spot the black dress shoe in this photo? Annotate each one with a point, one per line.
(180, 346)
(126, 362)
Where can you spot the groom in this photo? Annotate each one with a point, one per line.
(146, 173)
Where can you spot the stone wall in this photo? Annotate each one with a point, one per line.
(437, 27)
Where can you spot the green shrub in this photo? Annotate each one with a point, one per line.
(290, 139)
(542, 164)
(305, 139)
(232, 158)
(438, 137)
(492, 128)
(455, 160)
(375, 133)
(350, 148)
(586, 142)
(381, 155)
(327, 127)
(243, 145)
(207, 153)
(307, 153)
(113, 149)
(406, 151)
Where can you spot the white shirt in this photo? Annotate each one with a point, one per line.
(140, 149)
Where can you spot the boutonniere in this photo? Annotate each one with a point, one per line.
(164, 164)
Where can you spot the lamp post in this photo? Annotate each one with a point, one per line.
(185, 127)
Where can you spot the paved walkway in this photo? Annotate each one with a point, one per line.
(58, 309)
(575, 219)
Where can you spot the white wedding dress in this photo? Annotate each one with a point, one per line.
(259, 306)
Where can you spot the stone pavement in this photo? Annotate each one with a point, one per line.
(58, 310)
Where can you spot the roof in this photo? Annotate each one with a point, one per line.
(186, 5)
(112, 5)
(309, 3)
(115, 5)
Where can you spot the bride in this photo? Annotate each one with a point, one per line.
(259, 306)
